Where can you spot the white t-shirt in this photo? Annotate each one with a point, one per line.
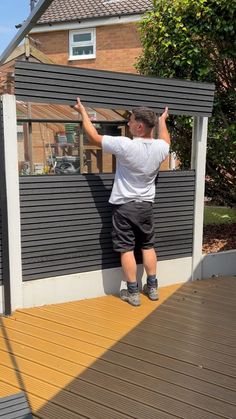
(137, 164)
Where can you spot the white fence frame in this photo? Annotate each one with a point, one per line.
(97, 283)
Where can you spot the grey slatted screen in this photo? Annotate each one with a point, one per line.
(46, 83)
(15, 407)
(66, 222)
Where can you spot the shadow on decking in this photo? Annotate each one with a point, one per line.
(104, 359)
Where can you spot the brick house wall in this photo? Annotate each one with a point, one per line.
(117, 48)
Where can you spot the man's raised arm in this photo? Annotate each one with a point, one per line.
(93, 136)
(163, 133)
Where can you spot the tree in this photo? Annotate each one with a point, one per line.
(196, 40)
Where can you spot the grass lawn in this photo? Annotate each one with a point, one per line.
(219, 215)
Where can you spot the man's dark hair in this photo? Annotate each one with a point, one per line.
(145, 115)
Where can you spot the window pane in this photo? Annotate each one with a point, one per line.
(82, 37)
(63, 149)
(83, 50)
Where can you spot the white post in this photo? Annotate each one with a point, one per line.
(13, 199)
(198, 163)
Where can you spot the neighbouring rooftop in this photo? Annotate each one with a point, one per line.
(76, 10)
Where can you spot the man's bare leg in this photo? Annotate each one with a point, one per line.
(149, 261)
(129, 266)
(150, 265)
(131, 295)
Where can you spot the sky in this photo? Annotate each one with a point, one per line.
(12, 12)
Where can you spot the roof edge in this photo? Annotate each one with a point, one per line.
(85, 23)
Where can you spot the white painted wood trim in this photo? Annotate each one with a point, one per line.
(82, 57)
(13, 200)
(89, 23)
(98, 283)
(198, 163)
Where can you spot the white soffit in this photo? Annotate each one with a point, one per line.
(90, 23)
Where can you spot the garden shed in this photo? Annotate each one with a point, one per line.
(55, 229)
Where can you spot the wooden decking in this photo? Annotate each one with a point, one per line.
(103, 359)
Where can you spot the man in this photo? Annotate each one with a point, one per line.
(133, 193)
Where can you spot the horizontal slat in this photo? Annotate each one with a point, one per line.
(87, 243)
(168, 255)
(40, 275)
(28, 220)
(114, 94)
(66, 222)
(71, 195)
(15, 406)
(37, 179)
(99, 87)
(86, 235)
(85, 181)
(90, 245)
(58, 253)
(56, 192)
(73, 246)
(73, 261)
(69, 236)
(68, 202)
(169, 224)
(13, 397)
(53, 216)
(69, 252)
(64, 211)
(77, 256)
(65, 240)
(59, 84)
(100, 265)
(100, 178)
(28, 230)
(184, 253)
(69, 100)
(84, 262)
(180, 200)
(104, 74)
(107, 78)
(108, 86)
(74, 225)
(31, 219)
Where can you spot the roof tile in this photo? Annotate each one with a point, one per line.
(74, 10)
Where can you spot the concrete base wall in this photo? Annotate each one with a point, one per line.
(219, 264)
(98, 283)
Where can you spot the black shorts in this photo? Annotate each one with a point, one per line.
(133, 226)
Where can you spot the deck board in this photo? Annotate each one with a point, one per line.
(101, 358)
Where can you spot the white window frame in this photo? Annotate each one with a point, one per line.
(81, 44)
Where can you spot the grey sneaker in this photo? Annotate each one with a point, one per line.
(151, 292)
(133, 299)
